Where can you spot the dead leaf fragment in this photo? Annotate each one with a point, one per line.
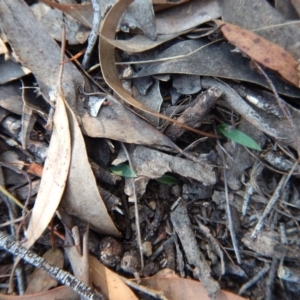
(62, 292)
(180, 288)
(263, 51)
(11, 70)
(109, 282)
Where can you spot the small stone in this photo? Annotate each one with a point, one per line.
(110, 251)
(147, 248)
(131, 263)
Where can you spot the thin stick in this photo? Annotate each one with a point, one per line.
(167, 58)
(282, 106)
(94, 33)
(276, 195)
(15, 169)
(228, 210)
(254, 279)
(155, 294)
(136, 211)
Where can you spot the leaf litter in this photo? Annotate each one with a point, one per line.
(182, 62)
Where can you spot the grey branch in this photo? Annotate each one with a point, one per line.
(7, 243)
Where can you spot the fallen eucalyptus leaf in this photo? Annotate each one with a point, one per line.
(109, 282)
(198, 57)
(262, 50)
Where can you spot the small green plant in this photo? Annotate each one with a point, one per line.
(238, 136)
(125, 171)
(167, 179)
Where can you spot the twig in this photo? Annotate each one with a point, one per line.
(15, 169)
(205, 230)
(155, 294)
(271, 278)
(276, 195)
(136, 210)
(11, 222)
(10, 196)
(194, 257)
(251, 185)
(254, 279)
(228, 210)
(282, 106)
(94, 33)
(7, 243)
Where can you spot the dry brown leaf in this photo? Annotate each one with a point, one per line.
(62, 292)
(109, 282)
(263, 51)
(109, 70)
(55, 174)
(40, 281)
(261, 17)
(82, 197)
(180, 288)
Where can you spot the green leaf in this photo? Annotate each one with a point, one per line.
(167, 179)
(123, 170)
(238, 136)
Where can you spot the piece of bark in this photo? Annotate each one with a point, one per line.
(195, 258)
(195, 113)
(153, 164)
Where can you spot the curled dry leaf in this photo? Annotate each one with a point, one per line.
(82, 197)
(55, 174)
(109, 282)
(263, 51)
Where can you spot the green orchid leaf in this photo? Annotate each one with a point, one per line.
(167, 179)
(123, 170)
(238, 136)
